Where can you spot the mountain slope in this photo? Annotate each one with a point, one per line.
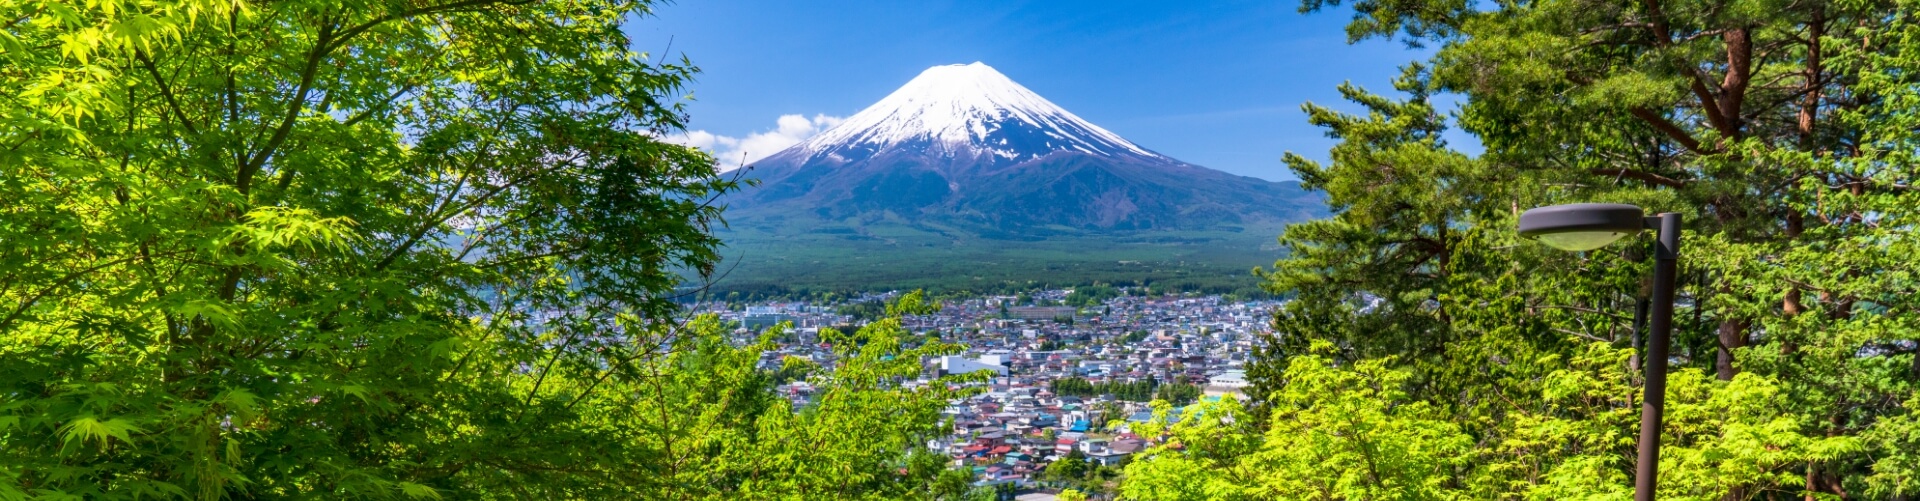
(965, 112)
(964, 144)
(962, 157)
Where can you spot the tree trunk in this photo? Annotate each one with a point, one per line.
(1733, 334)
(1813, 475)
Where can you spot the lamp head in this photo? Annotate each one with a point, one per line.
(1581, 227)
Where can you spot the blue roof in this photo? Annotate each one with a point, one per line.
(1143, 416)
(1080, 426)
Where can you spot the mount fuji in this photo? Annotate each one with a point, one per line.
(963, 159)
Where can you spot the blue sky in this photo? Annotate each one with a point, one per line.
(1215, 83)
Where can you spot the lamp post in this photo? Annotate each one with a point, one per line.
(1585, 227)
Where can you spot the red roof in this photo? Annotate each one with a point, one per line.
(1002, 450)
(1065, 441)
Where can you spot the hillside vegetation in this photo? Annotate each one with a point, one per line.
(765, 259)
(1432, 353)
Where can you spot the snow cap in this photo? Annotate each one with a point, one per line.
(955, 108)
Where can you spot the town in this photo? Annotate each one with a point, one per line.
(1069, 373)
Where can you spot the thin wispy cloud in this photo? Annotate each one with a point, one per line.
(732, 152)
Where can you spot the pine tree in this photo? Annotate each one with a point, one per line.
(1781, 131)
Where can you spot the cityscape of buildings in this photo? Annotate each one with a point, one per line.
(1017, 424)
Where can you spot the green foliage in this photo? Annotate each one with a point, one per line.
(1111, 411)
(1091, 296)
(346, 250)
(1200, 460)
(1354, 432)
(1782, 132)
(1071, 467)
(1085, 477)
(1898, 439)
(997, 492)
(1137, 391)
(1178, 393)
(863, 311)
(720, 432)
(904, 257)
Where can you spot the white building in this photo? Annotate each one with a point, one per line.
(1228, 383)
(963, 365)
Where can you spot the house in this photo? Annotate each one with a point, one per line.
(990, 439)
(1040, 312)
(1228, 383)
(954, 364)
(1107, 458)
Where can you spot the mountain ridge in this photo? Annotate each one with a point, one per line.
(965, 145)
(963, 179)
(956, 110)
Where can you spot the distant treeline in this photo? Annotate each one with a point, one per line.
(863, 311)
(1179, 393)
(1097, 292)
(1092, 295)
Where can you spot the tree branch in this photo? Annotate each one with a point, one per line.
(364, 114)
(1670, 129)
(363, 27)
(57, 284)
(1663, 37)
(1642, 176)
(166, 92)
(294, 106)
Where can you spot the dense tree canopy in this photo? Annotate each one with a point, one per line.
(1136, 391)
(705, 424)
(1782, 130)
(372, 249)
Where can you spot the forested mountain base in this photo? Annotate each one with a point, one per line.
(815, 256)
(1433, 354)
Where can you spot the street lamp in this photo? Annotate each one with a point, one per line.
(1585, 227)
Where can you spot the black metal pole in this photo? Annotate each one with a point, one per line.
(1639, 336)
(1665, 267)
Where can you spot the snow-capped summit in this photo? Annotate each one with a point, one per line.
(968, 111)
(964, 148)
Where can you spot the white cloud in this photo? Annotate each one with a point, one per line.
(732, 152)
